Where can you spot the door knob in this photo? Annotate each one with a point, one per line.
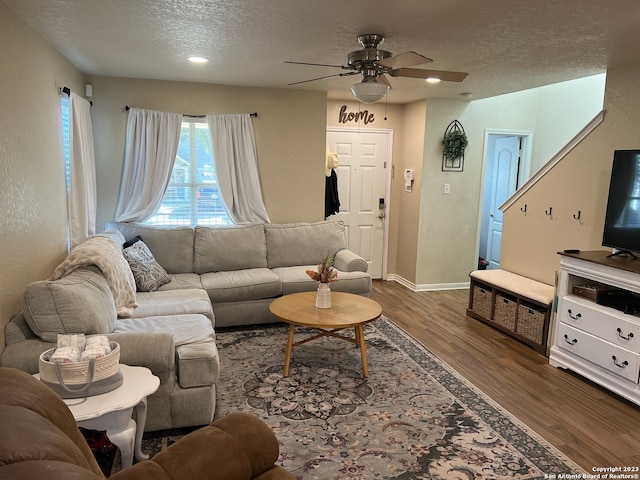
(381, 216)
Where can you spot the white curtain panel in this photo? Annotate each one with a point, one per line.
(82, 200)
(150, 152)
(234, 155)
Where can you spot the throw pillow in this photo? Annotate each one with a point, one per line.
(148, 273)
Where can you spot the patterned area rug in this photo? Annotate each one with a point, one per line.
(413, 418)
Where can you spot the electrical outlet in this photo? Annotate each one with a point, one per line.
(447, 189)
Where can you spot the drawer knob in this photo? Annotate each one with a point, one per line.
(615, 361)
(570, 342)
(626, 337)
(575, 317)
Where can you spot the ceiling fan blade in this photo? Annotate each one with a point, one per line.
(421, 73)
(407, 59)
(344, 74)
(316, 64)
(383, 79)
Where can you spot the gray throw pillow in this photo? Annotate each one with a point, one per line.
(148, 273)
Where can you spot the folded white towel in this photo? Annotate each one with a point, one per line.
(65, 355)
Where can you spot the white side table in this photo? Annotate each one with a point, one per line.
(112, 411)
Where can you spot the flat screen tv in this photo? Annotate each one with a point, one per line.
(622, 220)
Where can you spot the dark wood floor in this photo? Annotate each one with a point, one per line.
(592, 426)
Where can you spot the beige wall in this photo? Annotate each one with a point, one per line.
(432, 236)
(579, 182)
(290, 137)
(433, 239)
(449, 223)
(409, 203)
(33, 232)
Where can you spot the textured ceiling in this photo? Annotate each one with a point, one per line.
(504, 45)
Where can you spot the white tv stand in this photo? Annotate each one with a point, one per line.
(599, 342)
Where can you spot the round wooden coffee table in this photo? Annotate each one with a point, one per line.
(347, 311)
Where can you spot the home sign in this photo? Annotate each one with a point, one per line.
(364, 115)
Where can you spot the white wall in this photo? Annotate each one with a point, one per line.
(563, 110)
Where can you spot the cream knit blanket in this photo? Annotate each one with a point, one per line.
(104, 254)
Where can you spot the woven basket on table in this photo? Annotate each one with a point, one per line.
(82, 379)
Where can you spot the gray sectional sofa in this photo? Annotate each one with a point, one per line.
(219, 277)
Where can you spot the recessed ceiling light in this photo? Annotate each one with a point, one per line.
(198, 60)
(433, 80)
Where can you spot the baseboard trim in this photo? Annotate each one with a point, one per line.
(428, 287)
(441, 286)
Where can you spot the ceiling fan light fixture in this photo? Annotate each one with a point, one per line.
(369, 92)
(198, 59)
(433, 80)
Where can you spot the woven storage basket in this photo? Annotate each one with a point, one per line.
(82, 379)
(482, 301)
(505, 312)
(530, 323)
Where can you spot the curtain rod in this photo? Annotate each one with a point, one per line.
(254, 114)
(67, 91)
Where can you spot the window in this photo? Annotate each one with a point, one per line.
(64, 107)
(66, 151)
(192, 197)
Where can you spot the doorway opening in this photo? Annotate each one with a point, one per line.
(507, 166)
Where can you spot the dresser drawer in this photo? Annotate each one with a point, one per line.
(604, 354)
(602, 322)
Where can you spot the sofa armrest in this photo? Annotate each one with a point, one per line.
(348, 261)
(154, 350)
(24, 355)
(238, 446)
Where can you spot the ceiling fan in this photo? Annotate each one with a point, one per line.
(375, 64)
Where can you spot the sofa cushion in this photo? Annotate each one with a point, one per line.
(182, 281)
(172, 247)
(148, 274)
(229, 248)
(240, 285)
(303, 243)
(80, 302)
(173, 302)
(294, 280)
(114, 235)
(185, 329)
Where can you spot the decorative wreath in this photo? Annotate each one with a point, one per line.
(454, 144)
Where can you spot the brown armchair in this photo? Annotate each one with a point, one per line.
(40, 439)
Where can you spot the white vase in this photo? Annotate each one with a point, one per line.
(323, 298)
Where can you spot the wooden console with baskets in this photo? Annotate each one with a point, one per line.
(514, 304)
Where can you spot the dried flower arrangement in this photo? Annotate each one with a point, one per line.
(326, 273)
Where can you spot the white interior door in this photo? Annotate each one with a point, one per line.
(363, 159)
(504, 178)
